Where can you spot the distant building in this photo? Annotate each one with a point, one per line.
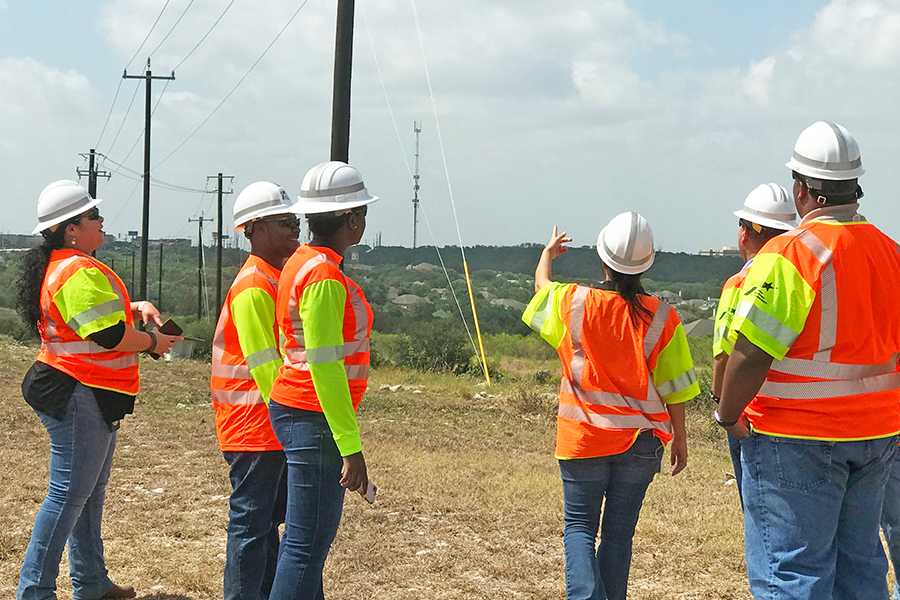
(410, 300)
(667, 296)
(725, 251)
(699, 327)
(509, 303)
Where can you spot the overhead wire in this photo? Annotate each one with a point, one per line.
(184, 12)
(412, 180)
(462, 249)
(227, 96)
(148, 34)
(204, 36)
(125, 116)
(109, 114)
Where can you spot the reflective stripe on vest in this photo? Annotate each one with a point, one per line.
(811, 390)
(568, 411)
(237, 397)
(653, 404)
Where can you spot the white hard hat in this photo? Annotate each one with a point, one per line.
(260, 199)
(60, 201)
(626, 244)
(330, 187)
(826, 150)
(769, 205)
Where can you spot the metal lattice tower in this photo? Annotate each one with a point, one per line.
(417, 128)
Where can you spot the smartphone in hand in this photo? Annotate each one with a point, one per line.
(170, 327)
(369, 496)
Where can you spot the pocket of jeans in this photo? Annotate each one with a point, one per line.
(801, 465)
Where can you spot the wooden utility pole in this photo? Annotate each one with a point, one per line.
(219, 192)
(199, 263)
(92, 172)
(145, 223)
(343, 65)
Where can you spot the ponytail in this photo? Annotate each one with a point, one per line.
(31, 277)
(631, 290)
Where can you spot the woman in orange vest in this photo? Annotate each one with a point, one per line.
(326, 323)
(82, 385)
(626, 373)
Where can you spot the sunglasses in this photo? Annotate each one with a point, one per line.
(286, 222)
(93, 214)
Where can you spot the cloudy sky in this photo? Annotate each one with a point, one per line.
(551, 112)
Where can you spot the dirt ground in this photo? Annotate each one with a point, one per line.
(469, 502)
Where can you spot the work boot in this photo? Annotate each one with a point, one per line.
(117, 592)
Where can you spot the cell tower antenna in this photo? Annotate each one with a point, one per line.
(417, 128)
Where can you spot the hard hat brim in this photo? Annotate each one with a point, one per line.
(795, 165)
(269, 212)
(615, 265)
(56, 221)
(306, 207)
(771, 223)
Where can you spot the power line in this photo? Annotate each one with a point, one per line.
(141, 134)
(125, 116)
(253, 66)
(148, 35)
(204, 35)
(109, 114)
(173, 28)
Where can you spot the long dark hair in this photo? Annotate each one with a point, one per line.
(31, 276)
(631, 290)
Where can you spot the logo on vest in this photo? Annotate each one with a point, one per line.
(759, 291)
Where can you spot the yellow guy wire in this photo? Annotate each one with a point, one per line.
(462, 248)
(487, 376)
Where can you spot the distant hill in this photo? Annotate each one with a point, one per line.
(582, 263)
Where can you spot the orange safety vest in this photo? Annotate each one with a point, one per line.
(840, 379)
(62, 348)
(242, 416)
(294, 385)
(607, 395)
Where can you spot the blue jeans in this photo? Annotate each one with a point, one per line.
(257, 505)
(811, 516)
(315, 500)
(81, 453)
(734, 449)
(890, 520)
(623, 480)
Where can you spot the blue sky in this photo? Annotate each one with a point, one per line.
(563, 113)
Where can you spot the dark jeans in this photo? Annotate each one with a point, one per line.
(622, 480)
(81, 453)
(257, 506)
(315, 500)
(811, 517)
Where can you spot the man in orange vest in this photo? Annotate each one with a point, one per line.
(816, 339)
(768, 211)
(246, 358)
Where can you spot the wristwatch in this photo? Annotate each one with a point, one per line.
(714, 397)
(721, 422)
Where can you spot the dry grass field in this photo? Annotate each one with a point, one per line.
(469, 503)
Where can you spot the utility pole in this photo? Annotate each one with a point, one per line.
(199, 263)
(219, 191)
(92, 172)
(343, 65)
(159, 304)
(417, 128)
(132, 265)
(145, 223)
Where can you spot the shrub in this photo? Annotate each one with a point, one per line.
(439, 347)
(202, 330)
